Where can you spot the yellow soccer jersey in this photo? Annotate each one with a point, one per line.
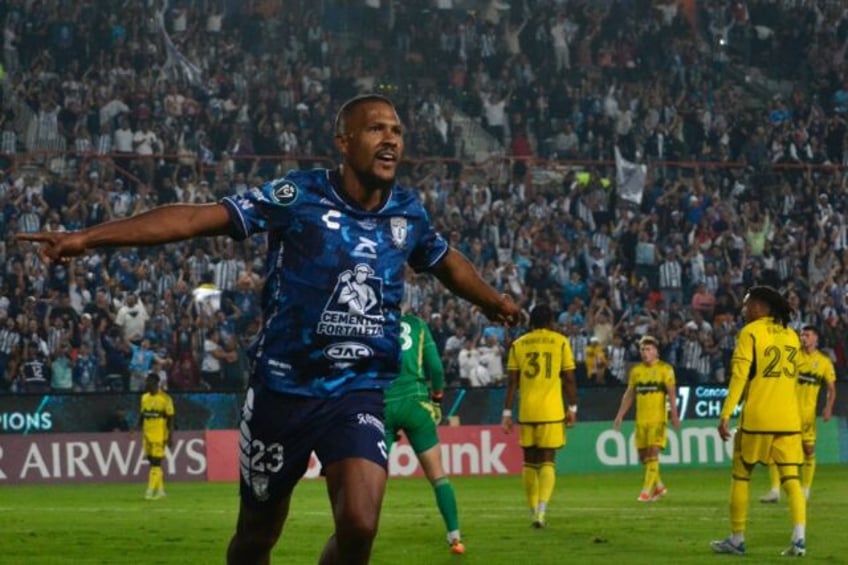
(155, 411)
(650, 386)
(764, 374)
(540, 357)
(814, 370)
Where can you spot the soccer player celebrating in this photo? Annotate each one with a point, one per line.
(156, 420)
(814, 370)
(764, 372)
(541, 366)
(651, 383)
(414, 408)
(328, 346)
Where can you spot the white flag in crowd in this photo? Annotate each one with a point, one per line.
(629, 178)
(177, 67)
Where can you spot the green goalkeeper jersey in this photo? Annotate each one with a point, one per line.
(420, 362)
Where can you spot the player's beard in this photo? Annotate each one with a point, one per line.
(370, 180)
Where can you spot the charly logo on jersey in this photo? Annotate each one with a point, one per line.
(355, 309)
(283, 192)
(400, 230)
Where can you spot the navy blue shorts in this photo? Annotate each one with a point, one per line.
(278, 432)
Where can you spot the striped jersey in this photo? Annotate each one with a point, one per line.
(335, 272)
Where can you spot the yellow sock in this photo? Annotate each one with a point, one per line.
(808, 470)
(154, 481)
(547, 480)
(774, 476)
(530, 474)
(739, 494)
(652, 468)
(797, 501)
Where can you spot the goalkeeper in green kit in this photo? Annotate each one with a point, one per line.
(414, 407)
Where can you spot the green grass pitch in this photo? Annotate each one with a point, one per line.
(592, 519)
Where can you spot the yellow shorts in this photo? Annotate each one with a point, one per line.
(650, 435)
(155, 449)
(808, 431)
(547, 436)
(783, 449)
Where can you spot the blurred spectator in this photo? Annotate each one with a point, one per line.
(213, 357)
(86, 368)
(472, 372)
(131, 319)
(492, 358)
(597, 362)
(234, 366)
(117, 421)
(34, 374)
(61, 370)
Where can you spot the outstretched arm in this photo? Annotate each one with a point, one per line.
(155, 227)
(458, 274)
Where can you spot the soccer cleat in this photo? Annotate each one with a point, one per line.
(659, 492)
(539, 520)
(770, 496)
(645, 496)
(797, 549)
(160, 494)
(727, 546)
(148, 495)
(457, 547)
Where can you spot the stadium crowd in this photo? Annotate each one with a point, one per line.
(110, 108)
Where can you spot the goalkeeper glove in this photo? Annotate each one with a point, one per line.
(436, 399)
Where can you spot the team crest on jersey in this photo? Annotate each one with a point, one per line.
(259, 484)
(284, 192)
(355, 308)
(399, 232)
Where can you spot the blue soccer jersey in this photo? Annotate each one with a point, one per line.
(331, 302)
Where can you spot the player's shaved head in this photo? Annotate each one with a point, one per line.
(348, 108)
